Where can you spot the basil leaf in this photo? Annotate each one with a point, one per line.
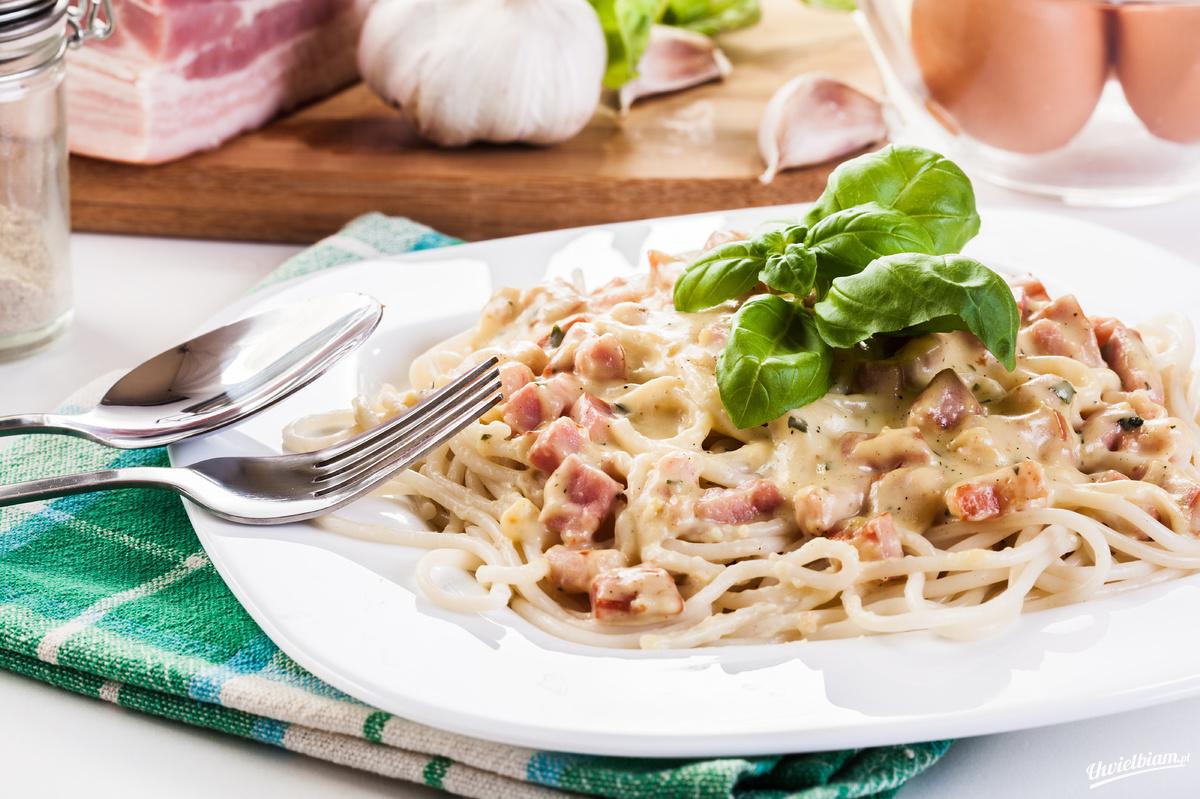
(727, 272)
(901, 292)
(773, 361)
(931, 189)
(846, 241)
(793, 271)
(733, 269)
(774, 242)
(711, 17)
(626, 25)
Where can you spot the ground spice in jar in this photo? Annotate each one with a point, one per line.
(30, 296)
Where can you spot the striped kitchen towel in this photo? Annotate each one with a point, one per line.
(110, 595)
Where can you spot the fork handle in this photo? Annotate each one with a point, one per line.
(65, 485)
(24, 423)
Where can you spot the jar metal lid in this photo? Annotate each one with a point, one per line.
(28, 18)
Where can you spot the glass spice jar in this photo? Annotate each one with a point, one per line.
(35, 272)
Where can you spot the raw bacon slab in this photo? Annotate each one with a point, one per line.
(180, 76)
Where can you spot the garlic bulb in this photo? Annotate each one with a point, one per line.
(486, 70)
(674, 59)
(814, 118)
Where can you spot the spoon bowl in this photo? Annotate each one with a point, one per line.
(218, 377)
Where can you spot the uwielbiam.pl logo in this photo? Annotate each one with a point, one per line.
(1102, 772)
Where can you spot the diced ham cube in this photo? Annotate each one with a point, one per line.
(562, 438)
(713, 336)
(755, 499)
(562, 358)
(619, 290)
(820, 509)
(594, 414)
(601, 358)
(892, 448)
(943, 403)
(875, 539)
(997, 493)
(578, 498)
(665, 269)
(573, 570)
(849, 441)
(719, 238)
(1061, 328)
(1030, 295)
(513, 375)
(535, 403)
(1126, 354)
(636, 594)
(1190, 500)
(881, 378)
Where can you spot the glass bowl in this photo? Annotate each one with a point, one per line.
(1096, 102)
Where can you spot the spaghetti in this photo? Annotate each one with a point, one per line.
(610, 501)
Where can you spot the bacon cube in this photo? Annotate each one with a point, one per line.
(578, 498)
(601, 358)
(875, 539)
(562, 438)
(636, 594)
(995, 494)
(754, 499)
(573, 570)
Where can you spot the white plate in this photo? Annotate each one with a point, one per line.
(349, 612)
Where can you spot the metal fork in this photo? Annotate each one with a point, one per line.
(285, 488)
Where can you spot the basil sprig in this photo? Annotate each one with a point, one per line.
(774, 361)
(875, 255)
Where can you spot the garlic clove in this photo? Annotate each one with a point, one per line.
(814, 118)
(675, 59)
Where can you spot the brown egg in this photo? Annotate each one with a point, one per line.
(1158, 62)
(1022, 75)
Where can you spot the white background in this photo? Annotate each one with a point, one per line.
(136, 297)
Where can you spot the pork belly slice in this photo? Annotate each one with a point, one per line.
(179, 76)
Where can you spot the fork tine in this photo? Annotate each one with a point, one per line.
(447, 393)
(384, 446)
(415, 446)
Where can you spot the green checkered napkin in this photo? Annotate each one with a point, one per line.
(110, 595)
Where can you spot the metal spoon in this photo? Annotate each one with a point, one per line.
(219, 377)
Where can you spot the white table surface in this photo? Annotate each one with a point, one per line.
(136, 297)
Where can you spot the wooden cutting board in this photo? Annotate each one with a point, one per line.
(304, 175)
